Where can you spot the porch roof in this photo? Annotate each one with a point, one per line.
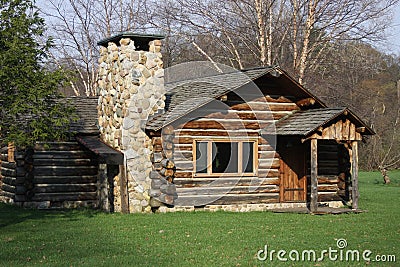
(306, 122)
(105, 153)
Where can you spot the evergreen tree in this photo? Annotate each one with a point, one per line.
(31, 108)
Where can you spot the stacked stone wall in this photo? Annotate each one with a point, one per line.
(130, 88)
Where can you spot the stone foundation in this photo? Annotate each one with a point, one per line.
(245, 207)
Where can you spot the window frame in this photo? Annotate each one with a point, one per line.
(240, 142)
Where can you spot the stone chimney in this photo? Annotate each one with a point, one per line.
(130, 86)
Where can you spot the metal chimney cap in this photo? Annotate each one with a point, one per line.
(141, 40)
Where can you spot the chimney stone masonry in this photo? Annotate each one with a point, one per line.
(130, 86)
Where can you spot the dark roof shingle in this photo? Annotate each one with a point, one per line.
(305, 122)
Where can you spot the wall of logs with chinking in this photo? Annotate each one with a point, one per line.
(242, 119)
(333, 171)
(50, 175)
(130, 88)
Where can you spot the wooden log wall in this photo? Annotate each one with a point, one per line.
(52, 175)
(333, 171)
(13, 181)
(64, 173)
(241, 119)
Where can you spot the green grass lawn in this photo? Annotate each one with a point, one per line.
(90, 238)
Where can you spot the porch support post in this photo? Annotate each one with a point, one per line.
(314, 175)
(354, 175)
(123, 183)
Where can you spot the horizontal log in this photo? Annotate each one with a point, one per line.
(327, 188)
(327, 163)
(267, 155)
(328, 180)
(267, 173)
(183, 156)
(8, 172)
(226, 125)
(8, 165)
(7, 194)
(227, 199)
(327, 171)
(65, 179)
(208, 190)
(57, 146)
(60, 188)
(193, 133)
(329, 197)
(65, 171)
(62, 155)
(8, 188)
(65, 162)
(265, 147)
(268, 163)
(64, 196)
(251, 115)
(183, 174)
(225, 181)
(265, 106)
(9, 180)
(183, 147)
(184, 165)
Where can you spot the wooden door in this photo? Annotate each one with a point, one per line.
(293, 187)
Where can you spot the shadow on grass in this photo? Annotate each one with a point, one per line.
(11, 214)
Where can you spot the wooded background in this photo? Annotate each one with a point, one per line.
(331, 47)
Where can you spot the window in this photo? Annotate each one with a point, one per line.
(218, 157)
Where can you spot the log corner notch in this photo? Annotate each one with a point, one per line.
(11, 152)
(306, 102)
(163, 189)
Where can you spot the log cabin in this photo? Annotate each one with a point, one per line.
(239, 140)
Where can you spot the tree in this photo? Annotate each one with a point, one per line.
(78, 25)
(31, 107)
(296, 34)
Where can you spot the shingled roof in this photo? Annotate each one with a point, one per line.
(307, 121)
(186, 96)
(86, 110)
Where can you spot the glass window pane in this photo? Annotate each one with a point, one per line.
(247, 159)
(201, 157)
(225, 157)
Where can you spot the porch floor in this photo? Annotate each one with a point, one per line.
(320, 211)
